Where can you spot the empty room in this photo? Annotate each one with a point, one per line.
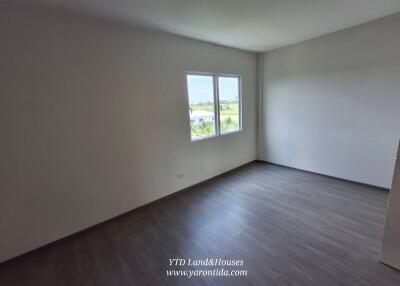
(188, 142)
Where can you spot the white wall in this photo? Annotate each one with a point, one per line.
(332, 104)
(390, 253)
(93, 122)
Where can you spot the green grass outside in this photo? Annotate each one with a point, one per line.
(229, 119)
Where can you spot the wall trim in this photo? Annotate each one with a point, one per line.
(325, 175)
(172, 195)
(152, 203)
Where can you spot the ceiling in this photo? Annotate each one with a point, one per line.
(253, 25)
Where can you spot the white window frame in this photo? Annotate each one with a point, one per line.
(217, 106)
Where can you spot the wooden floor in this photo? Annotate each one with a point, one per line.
(290, 228)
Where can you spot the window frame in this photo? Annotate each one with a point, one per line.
(215, 77)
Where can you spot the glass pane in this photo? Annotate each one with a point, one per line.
(201, 106)
(229, 104)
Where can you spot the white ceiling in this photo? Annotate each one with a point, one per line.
(254, 25)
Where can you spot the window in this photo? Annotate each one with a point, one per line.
(201, 106)
(214, 105)
(229, 104)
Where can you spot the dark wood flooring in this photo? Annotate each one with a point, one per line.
(290, 228)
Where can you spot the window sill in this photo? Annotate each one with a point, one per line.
(231, 132)
(204, 138)
(215, 136)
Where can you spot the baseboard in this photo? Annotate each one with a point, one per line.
(152, 203)
(324, 175)
(174, 194)
(388, 265)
